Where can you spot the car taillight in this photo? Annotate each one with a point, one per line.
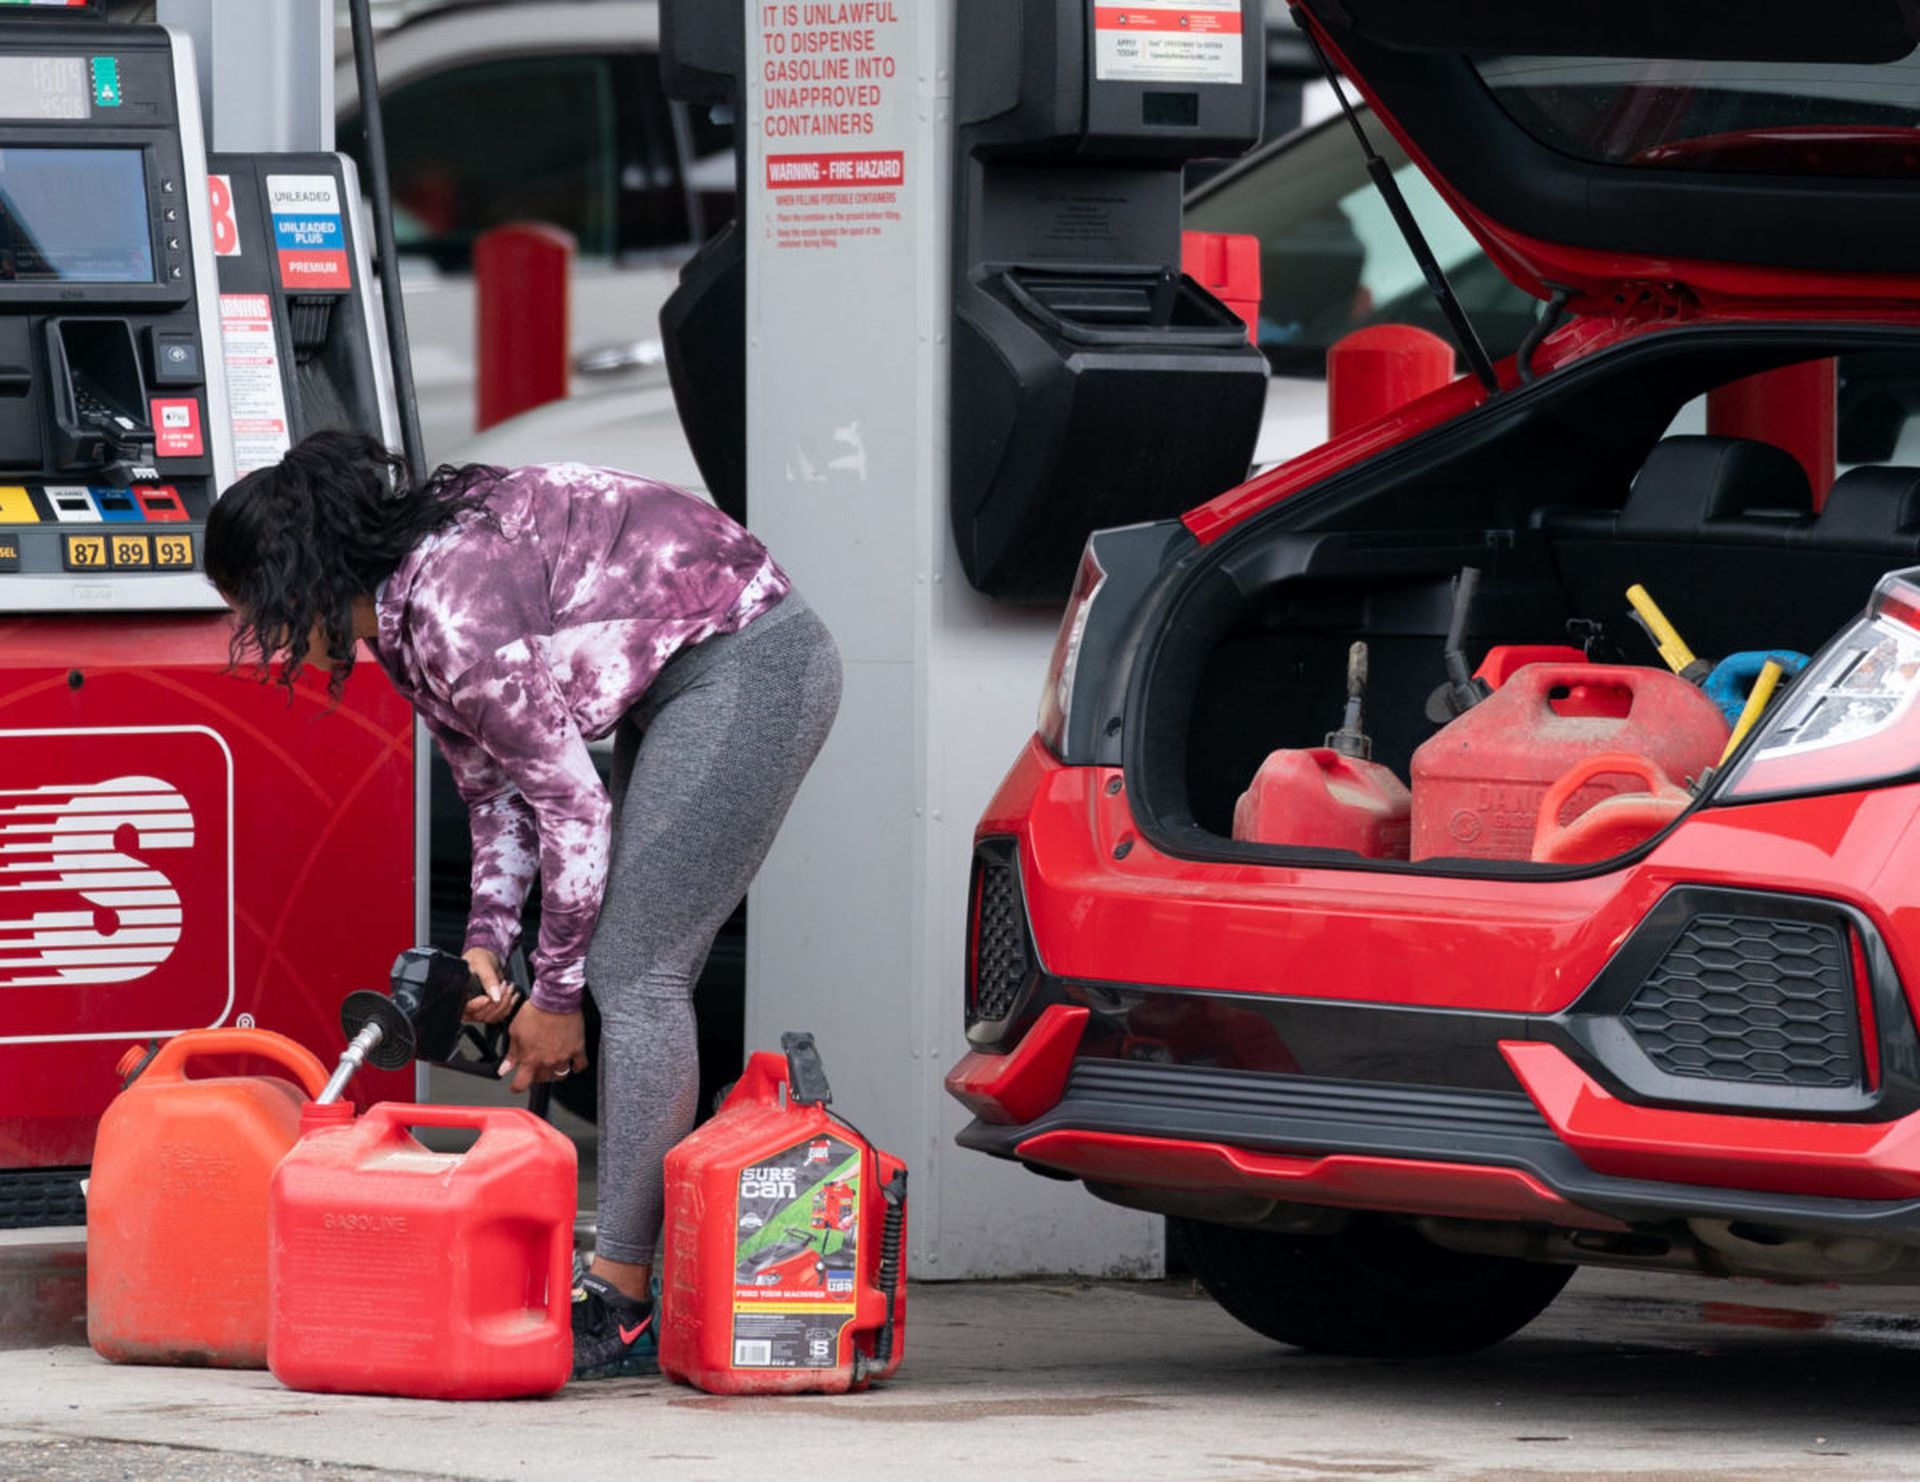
(1056, 698)
(1850, 720)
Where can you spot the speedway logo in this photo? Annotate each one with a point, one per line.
(116, 886)
(87, 845)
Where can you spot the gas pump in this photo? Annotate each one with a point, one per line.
(964, 342)
(176, 850)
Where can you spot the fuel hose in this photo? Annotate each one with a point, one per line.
(379, 187)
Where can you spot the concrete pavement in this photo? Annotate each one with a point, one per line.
(1626, 1379)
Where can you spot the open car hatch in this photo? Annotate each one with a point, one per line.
(1745, 150)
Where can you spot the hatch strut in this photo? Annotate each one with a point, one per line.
(1383, 181)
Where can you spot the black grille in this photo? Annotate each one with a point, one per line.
(34, 1198)
(1753, 999)
(1002, 960)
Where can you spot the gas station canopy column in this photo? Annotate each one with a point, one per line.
(929, 438)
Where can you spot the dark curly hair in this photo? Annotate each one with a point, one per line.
(292, 545)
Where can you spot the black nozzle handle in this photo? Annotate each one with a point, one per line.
(806, 1076)
(1463, 594)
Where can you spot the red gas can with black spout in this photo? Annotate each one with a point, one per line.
(1479, 783)
(1330, 797)
(785, 1266)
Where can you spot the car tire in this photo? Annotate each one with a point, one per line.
(1376, 1290)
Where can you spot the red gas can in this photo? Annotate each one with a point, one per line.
(785, 1238)
(1613, 825)
(399, 1271)
(1333, 796)
(177, 1202)
(1477, 785)
(1315, 798)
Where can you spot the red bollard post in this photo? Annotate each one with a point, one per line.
(1227, 265)
(1377, 369)
(522, 280)
(1795, 408)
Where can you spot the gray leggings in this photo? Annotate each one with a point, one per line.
(704, 769)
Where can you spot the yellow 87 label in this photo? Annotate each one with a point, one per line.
(173, 550)
(86, 552)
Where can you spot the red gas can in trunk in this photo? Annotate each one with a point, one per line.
(1329, 797)
(177, 1202)
(785, 1242)
(396, 1270)
(1315, 798)
(1478, 784)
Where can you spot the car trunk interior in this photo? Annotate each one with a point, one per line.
(1562, 499)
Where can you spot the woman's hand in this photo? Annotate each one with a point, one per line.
(544, 1046)
(496, 1000)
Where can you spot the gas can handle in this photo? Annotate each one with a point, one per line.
(1539, 680)
(806, 1076)
(170, 1063)
(403, 1114)
(1621, 763)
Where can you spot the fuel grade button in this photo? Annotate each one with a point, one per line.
(84, 552)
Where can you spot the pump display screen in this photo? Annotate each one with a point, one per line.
(74, 216)
(33, 88)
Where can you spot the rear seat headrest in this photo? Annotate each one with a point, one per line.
(1689, 481)
(1871, 504)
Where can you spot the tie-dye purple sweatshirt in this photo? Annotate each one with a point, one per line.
(521, 643)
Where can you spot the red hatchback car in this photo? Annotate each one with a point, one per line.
(1390, 1103)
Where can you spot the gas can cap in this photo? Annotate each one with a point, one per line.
(137, 1058)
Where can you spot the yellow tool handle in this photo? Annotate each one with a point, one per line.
(1764, 684)
(1672, 647)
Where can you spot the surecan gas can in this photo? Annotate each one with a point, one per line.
(396, 1270)
(177, 1201)
(785, 1257)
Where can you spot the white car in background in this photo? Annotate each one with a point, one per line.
(548, 111)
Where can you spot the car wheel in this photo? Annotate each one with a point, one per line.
(1375, 1290)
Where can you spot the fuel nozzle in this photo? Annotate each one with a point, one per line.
(1352, 739)
(1463, 689)
(418, 1017)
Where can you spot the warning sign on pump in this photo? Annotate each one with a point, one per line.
(1182, 41)
(257, 400)
(833, 96)
(835, 171)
